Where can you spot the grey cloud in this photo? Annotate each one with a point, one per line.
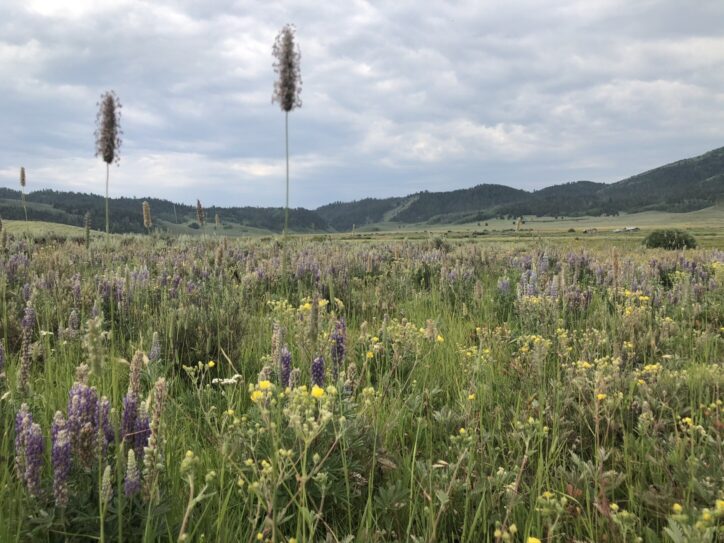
(398, 96)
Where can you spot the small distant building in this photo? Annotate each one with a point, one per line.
(631, 229)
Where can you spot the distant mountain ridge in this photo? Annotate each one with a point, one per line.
(685, 185)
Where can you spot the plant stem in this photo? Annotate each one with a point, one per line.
(286, 206)
(108, 173)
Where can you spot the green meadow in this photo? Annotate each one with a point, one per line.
(429, 384)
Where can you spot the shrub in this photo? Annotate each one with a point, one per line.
(670, 239)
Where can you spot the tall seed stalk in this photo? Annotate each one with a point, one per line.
(200, 214)
(22, 192)
(147, 221)
(87, 225)
(108, 137)
(287, 89)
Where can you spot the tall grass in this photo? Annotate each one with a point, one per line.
(108, 137)
(287, 90)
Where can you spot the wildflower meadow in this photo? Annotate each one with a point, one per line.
(214, 389)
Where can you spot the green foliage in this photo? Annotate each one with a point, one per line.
(670, 239)
(70, 208)
(683, 186)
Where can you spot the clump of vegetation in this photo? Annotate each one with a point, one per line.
(670, 239)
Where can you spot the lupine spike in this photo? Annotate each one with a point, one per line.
(318, 371)
(61, 459)
(132, 482)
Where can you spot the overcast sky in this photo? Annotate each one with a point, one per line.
(398, 96)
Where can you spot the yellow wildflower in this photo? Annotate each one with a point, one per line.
(440, 339)
(677, 508)
(532, 539)
(211, 364)
(264, 385)
(257, 395)
(601, 396)
(317, 391)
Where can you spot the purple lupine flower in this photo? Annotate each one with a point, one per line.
(154, 355)
(28, 322)
(34, 445)
(142, 433)
(129, 417)
(23, 422)
(83, 411)
(504, 285)
(61, 458)
(26, 360)
(76, 289)
(318, 371)
(285, 366)
(106, 432)
(27, 291)
(338, 337)
(96, 309)
(132, 482)
(74, 321)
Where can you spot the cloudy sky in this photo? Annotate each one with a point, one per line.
(398, 96)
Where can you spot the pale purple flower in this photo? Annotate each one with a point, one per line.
(61, 458)
(285, 366)
(34, 446)
(318, 371)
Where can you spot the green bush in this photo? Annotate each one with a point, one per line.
(670, 239)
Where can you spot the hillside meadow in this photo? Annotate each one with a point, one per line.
(361, 387)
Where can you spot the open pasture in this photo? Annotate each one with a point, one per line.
(433, 389)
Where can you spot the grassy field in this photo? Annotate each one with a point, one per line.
(445, 387)
(43, 229)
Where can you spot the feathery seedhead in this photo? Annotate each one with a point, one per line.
(22, 176)
(147, 222)
(108, 128)
(200, 214)
(288, 85)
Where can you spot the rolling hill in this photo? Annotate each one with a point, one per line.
(687, 185)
